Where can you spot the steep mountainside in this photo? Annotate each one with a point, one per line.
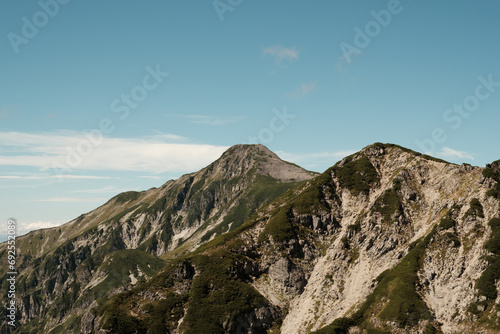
(385, 241)
(64, 270)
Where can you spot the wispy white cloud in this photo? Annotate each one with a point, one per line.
(69, 199)
(15, 177)
(169, 136)
(281, 53)
(303, 90)
(69, 151)
(450, 153)
(152, 177)
(25, 227)
(44, 177)
(85, 177)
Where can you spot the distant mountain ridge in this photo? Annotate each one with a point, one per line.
(386, 241)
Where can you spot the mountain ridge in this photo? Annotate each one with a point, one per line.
(321, 256)
(371, 234)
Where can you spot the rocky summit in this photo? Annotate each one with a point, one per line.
(386, 241)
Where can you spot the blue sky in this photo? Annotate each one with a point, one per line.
(100, 97)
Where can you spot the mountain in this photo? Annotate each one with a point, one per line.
(64, 270)
(386, 241)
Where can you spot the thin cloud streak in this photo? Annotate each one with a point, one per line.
(450, 153)
(280, 53)
(153, 154)
(70, 199)
(44, 177)
(303, 90)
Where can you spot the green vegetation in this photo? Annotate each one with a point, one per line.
(127, 196)
(118, 267)
(475, 209)
(312, 198)
(405, 305)
(158, 206)
(493, 171)
(395, 297)
(262, 191)
(430, 329)
(388, 145)
(116, 318)
(338, 326)
(159, 316)
(396, 184)
(493, 244)
(356, 228)
(495, 192)
(216, 297)
(279, 227)
(428, 157)
(407, 150)
(164, 313)
(486, 309)
(388, 204)
(447, 223)
(357, 175)
(71, 325)
(452, 238)
(486, 284)
(66, 263)
(116, 218)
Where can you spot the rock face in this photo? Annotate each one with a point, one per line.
(386, 241)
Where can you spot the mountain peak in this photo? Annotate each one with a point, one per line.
(378, 149)
(247, 149)
(240, 159)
